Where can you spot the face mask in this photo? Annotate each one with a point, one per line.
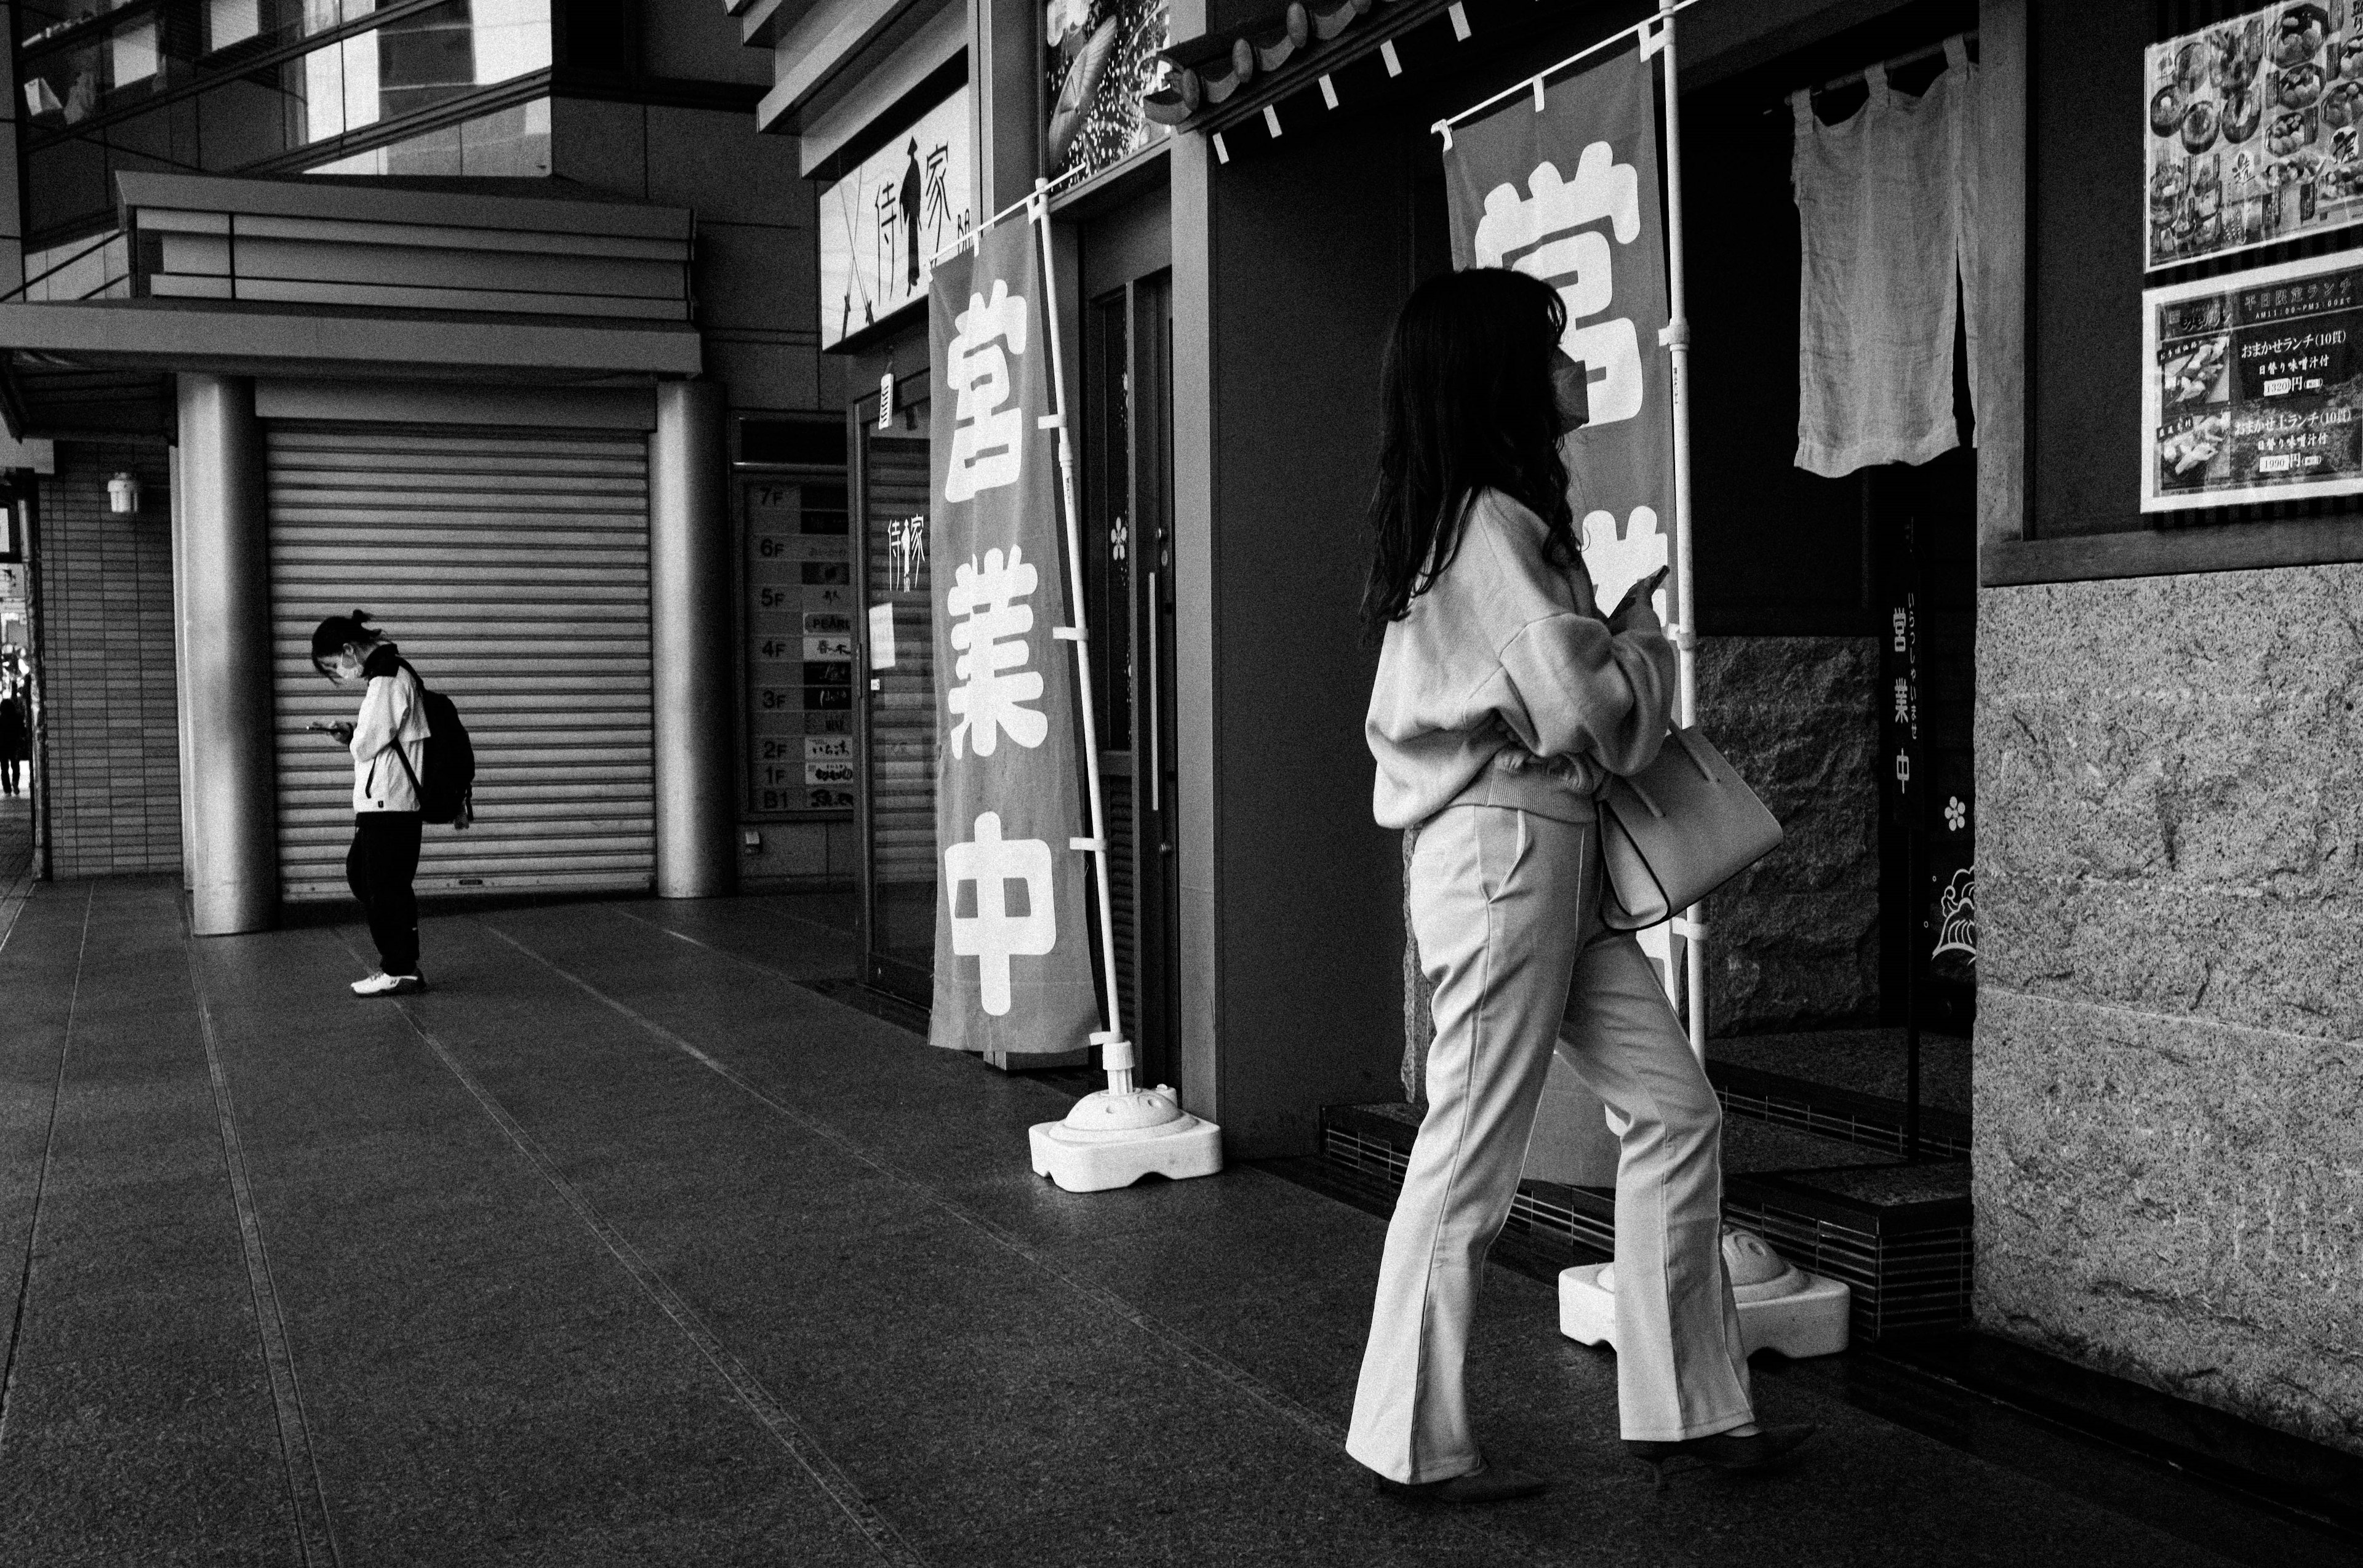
(1571, 390)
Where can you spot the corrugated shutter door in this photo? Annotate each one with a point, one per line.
(512, 567)
(903, 712)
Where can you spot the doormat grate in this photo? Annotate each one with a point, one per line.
(1899, 1236)
(1866, 1120)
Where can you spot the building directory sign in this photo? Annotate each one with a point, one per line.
(880, 224)
(2252, 132)
(2253, 386)
(799, 651)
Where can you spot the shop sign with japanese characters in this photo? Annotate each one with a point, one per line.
(882, 224)
(2252, 132)
(2253, 386)
(1013, 958)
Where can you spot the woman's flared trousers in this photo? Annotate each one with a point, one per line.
(1505, 907)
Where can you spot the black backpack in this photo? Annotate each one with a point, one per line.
(447, 792)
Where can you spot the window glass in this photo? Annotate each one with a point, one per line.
(515, 141)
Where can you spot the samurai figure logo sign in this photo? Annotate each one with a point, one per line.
(1012, 957)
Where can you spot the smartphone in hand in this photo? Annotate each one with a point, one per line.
(1638, 594)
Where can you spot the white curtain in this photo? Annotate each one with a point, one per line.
(1887, 205)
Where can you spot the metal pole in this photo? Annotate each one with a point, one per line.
(1116, 1050)
(1684, 632)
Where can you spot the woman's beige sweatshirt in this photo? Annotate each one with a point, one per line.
(1504, 685)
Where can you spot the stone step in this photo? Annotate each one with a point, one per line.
(1897, 1234)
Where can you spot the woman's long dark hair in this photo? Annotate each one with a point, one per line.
(1467, 386)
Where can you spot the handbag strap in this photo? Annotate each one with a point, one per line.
(1697, 750)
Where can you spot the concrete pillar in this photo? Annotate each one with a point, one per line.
(690, 626)
(231, 787)
(180, 525)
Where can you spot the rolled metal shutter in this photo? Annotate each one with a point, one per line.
(903, 712)
(512, 567)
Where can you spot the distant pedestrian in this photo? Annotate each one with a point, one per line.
(16, 742)
(1504, 703)
(388, 743)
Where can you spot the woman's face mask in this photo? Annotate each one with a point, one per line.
(1571, 390)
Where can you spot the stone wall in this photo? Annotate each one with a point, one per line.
(1794, 942)
(2169, 1036)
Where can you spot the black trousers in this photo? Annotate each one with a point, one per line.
(377, 868)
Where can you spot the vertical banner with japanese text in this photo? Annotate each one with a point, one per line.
(1013, 956)
(1568, 193)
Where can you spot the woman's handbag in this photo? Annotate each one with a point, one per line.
(1675, 831)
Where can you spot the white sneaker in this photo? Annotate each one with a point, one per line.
(389, 985)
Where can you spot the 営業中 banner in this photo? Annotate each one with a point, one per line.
(1012, 957)
(1569, 194)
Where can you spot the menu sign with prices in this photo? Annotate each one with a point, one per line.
(2253, 128)
(2253, 386)
(800, 649)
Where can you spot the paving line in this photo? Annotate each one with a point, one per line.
(41, 1182)
(776, 1418)
(316, 1531)
(1198, 1355)
(1331, 1434)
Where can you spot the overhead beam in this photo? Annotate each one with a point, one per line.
(242, 339)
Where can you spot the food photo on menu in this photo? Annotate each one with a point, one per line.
(2253, 130)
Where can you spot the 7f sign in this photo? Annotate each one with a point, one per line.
(1013, 959)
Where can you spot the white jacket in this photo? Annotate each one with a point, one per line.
(392, 709)
(1506, 662)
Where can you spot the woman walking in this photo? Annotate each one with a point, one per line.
(388, 741)
(1505, 701)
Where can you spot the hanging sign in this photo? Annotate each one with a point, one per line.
(1012, 957)
(2254, 390)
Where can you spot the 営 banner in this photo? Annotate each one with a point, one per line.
(1012, 957)
(1569, 194)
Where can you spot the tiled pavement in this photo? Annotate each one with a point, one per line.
(621, 1246)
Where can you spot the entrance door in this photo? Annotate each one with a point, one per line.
(1127, 518)
(898, 706)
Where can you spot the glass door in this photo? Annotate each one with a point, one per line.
(1128, 577)
(898, 705)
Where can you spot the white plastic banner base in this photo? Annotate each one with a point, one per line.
(1102, 1144)
(1795, 1313)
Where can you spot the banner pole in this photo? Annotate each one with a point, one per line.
(1692, 923)
(1116, 1050)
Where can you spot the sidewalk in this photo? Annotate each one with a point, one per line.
(622, 1246)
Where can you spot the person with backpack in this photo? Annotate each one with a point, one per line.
(388, 741)
(14, 736)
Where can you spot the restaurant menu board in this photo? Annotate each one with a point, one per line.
(2253, 386)
(800, 641)
(2253, 128)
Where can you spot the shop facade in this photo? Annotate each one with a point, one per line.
(491, 320)
(2120, 868)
